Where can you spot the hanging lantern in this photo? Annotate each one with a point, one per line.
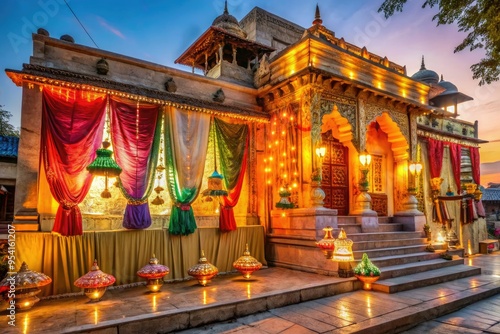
(215, 187)
(327, 244)
(247, 264)
(27, 284)
(159, 172)
(154, 273)
(95, 282)
(158, 189)
(104, 165)
(203, 271)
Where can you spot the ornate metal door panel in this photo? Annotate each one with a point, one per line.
(335, 181)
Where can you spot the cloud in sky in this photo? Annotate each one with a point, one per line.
(109, 27)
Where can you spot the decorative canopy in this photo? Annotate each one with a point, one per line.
(153, 270)
(27, 279)
(95, 278)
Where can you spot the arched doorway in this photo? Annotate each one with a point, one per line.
(335, 181)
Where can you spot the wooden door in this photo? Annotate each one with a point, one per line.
(335, 182)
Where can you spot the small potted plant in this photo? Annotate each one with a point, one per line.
(427, 231)
(367, 272)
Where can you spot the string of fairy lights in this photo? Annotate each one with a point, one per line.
(281, 161)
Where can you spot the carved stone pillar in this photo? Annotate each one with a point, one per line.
(26, 198)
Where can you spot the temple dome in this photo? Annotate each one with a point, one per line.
(450, 88)
(229, 23)
(425, 75)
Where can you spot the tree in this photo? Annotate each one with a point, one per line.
(479, 18)
(7, 129)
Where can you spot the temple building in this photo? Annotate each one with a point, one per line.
(274, 133)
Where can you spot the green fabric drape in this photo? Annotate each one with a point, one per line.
(231, 140)
(186, 141)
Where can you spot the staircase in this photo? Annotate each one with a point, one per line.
(401, 257)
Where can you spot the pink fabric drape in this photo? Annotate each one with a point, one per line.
(455, 156)
(474, 159)
(72, 125)
(133, 130)
(226, 218)
(436, 149)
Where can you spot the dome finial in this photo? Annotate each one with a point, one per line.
(422, 66)
(442, 78)
(225, 8)
(317, 16)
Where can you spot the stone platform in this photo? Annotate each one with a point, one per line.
(274, 300)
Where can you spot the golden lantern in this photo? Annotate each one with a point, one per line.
(343, 254)
(327, 243)
(26, 284)
(154, 273)
(95, 282)
(247, 264)
(203, 271)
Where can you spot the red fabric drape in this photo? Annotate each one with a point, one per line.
(474, 159)
(133, 132)
(436, 149)
(72, 125)
(455, 156)
(226, 218)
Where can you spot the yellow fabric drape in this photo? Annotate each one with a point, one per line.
(122, 253)
(61, 258)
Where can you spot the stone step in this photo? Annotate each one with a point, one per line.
(348, 228)
(418, 267)
(426, 278)
(378, 253)
(347, 220)
(403, 259)
(356, 228)
(397, 320)
(374, 244)
(374, 236)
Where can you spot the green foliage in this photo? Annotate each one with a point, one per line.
(7, 129)
(366, 267)
(478, 18)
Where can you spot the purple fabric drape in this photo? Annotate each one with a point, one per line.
(133, 128)
(72, 124)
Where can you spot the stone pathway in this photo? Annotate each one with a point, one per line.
(377, 312)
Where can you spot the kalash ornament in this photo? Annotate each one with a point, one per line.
(95, 282)
(104, 165)
(203, 271)
(154, 273)
(327, 244)
(247, 264)
(367, 272)
(284, 202)
(27, 285)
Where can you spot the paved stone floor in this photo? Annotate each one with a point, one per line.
(335, 314)
(341, 313)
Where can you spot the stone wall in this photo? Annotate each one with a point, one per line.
(269, 29)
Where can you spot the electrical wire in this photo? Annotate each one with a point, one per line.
(76, 17)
